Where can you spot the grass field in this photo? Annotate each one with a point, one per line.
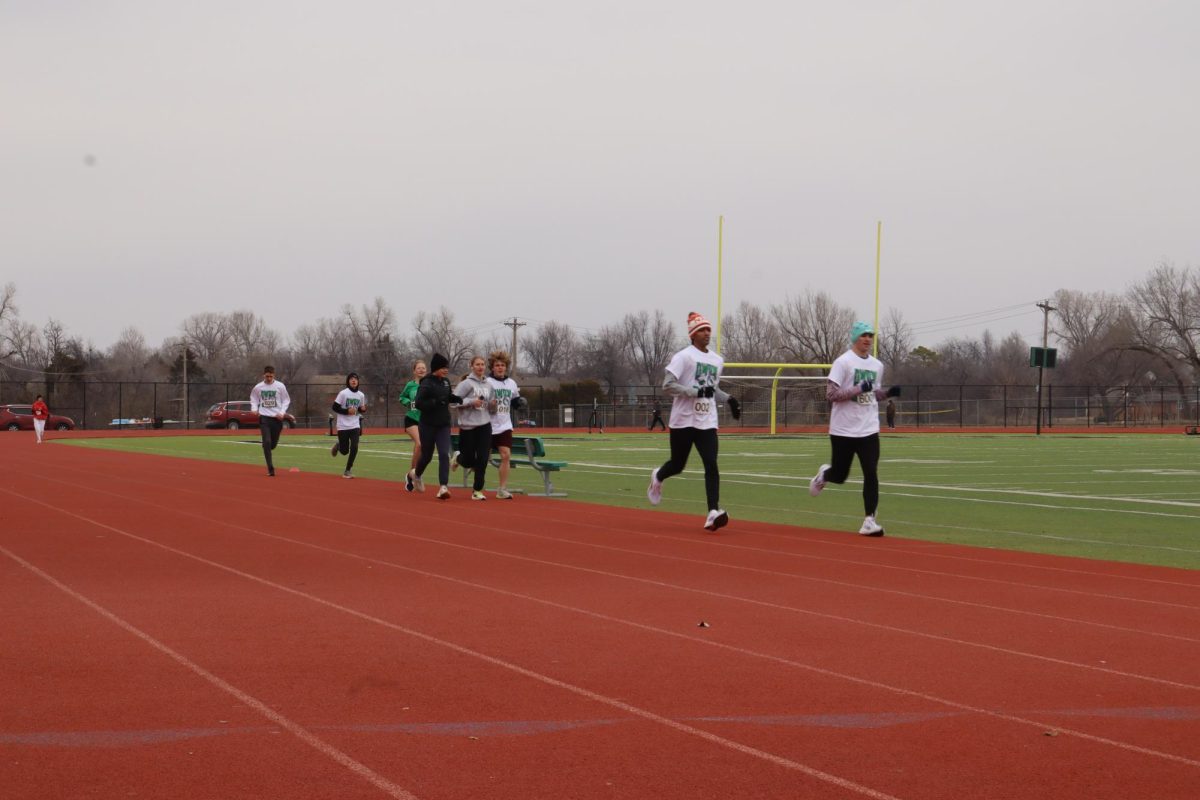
(1132, 498)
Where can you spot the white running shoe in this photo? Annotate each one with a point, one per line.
(454, 460)
(717, 518)
(654, 492)
(870, 528)
(478, 496)
(443, 493)
(409, 482)
(818, 482)
(503, 494)
(347, 474)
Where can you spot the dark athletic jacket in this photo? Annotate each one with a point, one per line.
(433, 401)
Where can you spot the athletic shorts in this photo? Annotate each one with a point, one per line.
(502, 439)
(409, 422)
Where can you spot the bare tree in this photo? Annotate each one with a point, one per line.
(813, 328)
(208, 335)
(129, 358)
(551, 349)
(1166, 319)
(895, 339)
(249, 335)
(749, 335)
(601, 356)
(649, 342)
(437, 333)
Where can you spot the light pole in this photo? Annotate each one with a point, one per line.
(1046, 309)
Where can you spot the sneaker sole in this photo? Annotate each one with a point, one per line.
(875, 533)
(719, 522)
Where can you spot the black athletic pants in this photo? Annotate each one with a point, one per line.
(438, 438)
(658, 420)
(474, 450)
(845, 448)
(270, 428)
(705, 442)
(348, 444)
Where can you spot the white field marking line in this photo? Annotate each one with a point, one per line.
(1029, 493)
(1056, 507)
(577, 512)
(612, 702)
(617, 620)
(318, 744)
(677, 587)
(914, 543)
(930, 461)
(578, 466)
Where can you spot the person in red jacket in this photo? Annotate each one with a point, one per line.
(41, 413)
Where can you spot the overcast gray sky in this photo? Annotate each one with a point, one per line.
(569, 160)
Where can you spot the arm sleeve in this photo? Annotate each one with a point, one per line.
(421, 399)
(338, 408)
(673, 387)
(254, 399)
(286, 400)
(719, 395)
(836, 394)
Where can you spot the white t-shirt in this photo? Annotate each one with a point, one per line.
(270, 399)
(347, 398)
(697, 369)
(503, 392)
(859, 416)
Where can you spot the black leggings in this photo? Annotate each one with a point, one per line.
(270, 428)
(348, 443)
(867, 450)
(705, 441)
(438, 437)
(474, 450)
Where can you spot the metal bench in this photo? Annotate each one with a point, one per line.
(527, 451)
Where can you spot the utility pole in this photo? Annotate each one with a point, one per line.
(514, 323)
(1046, 309)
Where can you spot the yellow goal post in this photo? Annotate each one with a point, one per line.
(776, 370)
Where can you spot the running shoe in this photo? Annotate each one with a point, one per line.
(818, 482)
(870, 527)
(654, 492)
(717, 518)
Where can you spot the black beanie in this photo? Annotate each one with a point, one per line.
(438, 361)
(348, 377)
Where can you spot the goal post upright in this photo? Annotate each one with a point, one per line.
(878, 251)
(720, 255)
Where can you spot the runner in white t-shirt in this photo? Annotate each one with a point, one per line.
(506, 396)
(854, 393)
(349, 406)
(693, 379)
(270, 400)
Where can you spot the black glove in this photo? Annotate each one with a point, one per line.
(735, 408)
(706, 391)
(865, 386)
(893, 391)
(517, 403)
(455, 400)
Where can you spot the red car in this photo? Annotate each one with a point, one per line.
(237, 414)
(20, 418)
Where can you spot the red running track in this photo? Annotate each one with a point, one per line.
(174, 628)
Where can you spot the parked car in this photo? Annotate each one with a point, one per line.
(236, 414)
(20, 418)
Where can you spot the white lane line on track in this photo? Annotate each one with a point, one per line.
(743, 651)
(318, 744)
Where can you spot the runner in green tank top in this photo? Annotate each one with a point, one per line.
(412, 417)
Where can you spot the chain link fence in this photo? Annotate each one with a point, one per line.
(101, 405)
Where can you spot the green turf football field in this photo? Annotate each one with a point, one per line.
(1120, 497)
